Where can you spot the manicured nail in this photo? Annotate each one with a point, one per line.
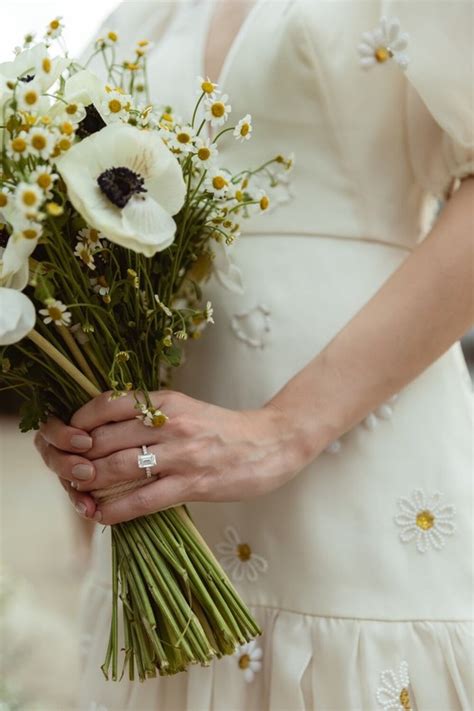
(80, 508)
(83, 471)
(98, 516)
(82, 442)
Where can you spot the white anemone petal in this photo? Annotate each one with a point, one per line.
(17, 316)
(84, 87)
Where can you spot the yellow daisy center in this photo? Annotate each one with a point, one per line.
(67, 128)
(245, 129)
(218, 109)
(29, 234)
(204, 153)
(46, 65)
(44, 181)
(425, 520)
(115, 106)
(54, 24)
(71, 109)
(244, 552)
(158, 419)
(264, 202)
(3, 200)
(239, 196)
(143, 43)
(405, 699)
(54, 209)
(207, 87)
(55, 313)
(64, 144)
(183, 137)
(218, 182)
(244, 661)
(31, 97)
(382, 54)
(38, 141)
(112, 36)
(29, 198)
(167, 117)
(93, 237)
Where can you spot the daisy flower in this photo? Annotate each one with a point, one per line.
(55, 312)
(243, 130)
(41, 141)
(99, 285)
(217, 110)
(206, 86)
(206, 152)
(426, 520)
(383, 43)
(238, 558)
(30, 230)
(116, 106)
(28, 96)
(163, 306)
(143, 47)
(151, 416)
(393, 694)
(127, 184)
(28, 197)
(83, 252)
(183, 139)
(217, 183)
(44, 177)
(55, 27)
(91, 237)
(249, 658)
(110, 38)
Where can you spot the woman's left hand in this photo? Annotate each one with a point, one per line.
(203, 452)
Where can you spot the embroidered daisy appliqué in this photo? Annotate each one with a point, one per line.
(238, 559)
(383, 43)
(425, 519)
(249, 659)
(393, 694)
(253, 326)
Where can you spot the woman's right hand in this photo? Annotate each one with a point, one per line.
(61, 447)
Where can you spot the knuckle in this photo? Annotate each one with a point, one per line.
(117, 462)
(143, 499)
(192, 453)
(182, 426)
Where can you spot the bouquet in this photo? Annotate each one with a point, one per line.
(113, 211)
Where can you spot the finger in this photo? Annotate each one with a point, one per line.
(69, 439)
(103, 409)
(83, 503)
(123, 465)
(161, 494)
(67, 466)
(115, 436)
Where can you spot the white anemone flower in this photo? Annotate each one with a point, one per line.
(226, 271)
(14, 262)
(84, 88)
(17, 316)
(35, 63)
(127, 184)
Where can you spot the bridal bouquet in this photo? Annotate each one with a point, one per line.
(113, 210)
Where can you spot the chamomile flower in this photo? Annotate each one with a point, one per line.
(30, 230)
(28, 198)
(110, 38)
(218, 183)
(5, 200)
(55, 312)
(151, 416)
(163, 306)
(115, 106)
(208, 313)
(206, 86)
(243, 130)
(206, 152)
(99, 285)
(28, 96)
(217, 110)
(65, 126)
(143, 47)
(44, 177)
(183, 139)
(91, 237)
(83, 252)
(42, 142)
(55, 27)
(74, 112)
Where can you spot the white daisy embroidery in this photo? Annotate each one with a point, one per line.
(253, 326)
(425, 519)
(393, 694)
(383, 43)
(238, 559)
(249, 660)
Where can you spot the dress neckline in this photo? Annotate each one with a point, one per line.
(234, 46)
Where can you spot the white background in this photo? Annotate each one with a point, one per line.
(81, 17)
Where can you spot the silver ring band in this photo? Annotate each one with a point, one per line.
(146, 460)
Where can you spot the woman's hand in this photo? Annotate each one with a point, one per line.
(203, 452)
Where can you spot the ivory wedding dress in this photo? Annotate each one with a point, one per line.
(358, 570)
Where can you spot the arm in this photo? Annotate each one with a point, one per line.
(209, 453)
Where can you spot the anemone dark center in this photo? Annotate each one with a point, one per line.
(3, 236)
(91, 123)
(27, 78)
(120, 184)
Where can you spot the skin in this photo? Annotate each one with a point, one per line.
(208, 453)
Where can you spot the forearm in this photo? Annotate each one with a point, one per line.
(420, 311)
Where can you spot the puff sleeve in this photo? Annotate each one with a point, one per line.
(440, 89)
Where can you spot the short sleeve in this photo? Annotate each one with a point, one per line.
(440, 90)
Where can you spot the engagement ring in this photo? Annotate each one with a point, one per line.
(146, 460)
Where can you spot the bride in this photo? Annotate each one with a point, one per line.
(322, 428)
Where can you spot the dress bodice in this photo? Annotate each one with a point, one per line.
(370, 147)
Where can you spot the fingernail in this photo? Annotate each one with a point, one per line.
(82, 442)
(80, 508)
(98, 516)
(83, 471)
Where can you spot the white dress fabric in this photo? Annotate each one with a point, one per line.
(359, 569)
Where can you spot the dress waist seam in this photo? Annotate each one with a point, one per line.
(312, 233)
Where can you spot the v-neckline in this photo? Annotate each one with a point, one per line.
(234, 45)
